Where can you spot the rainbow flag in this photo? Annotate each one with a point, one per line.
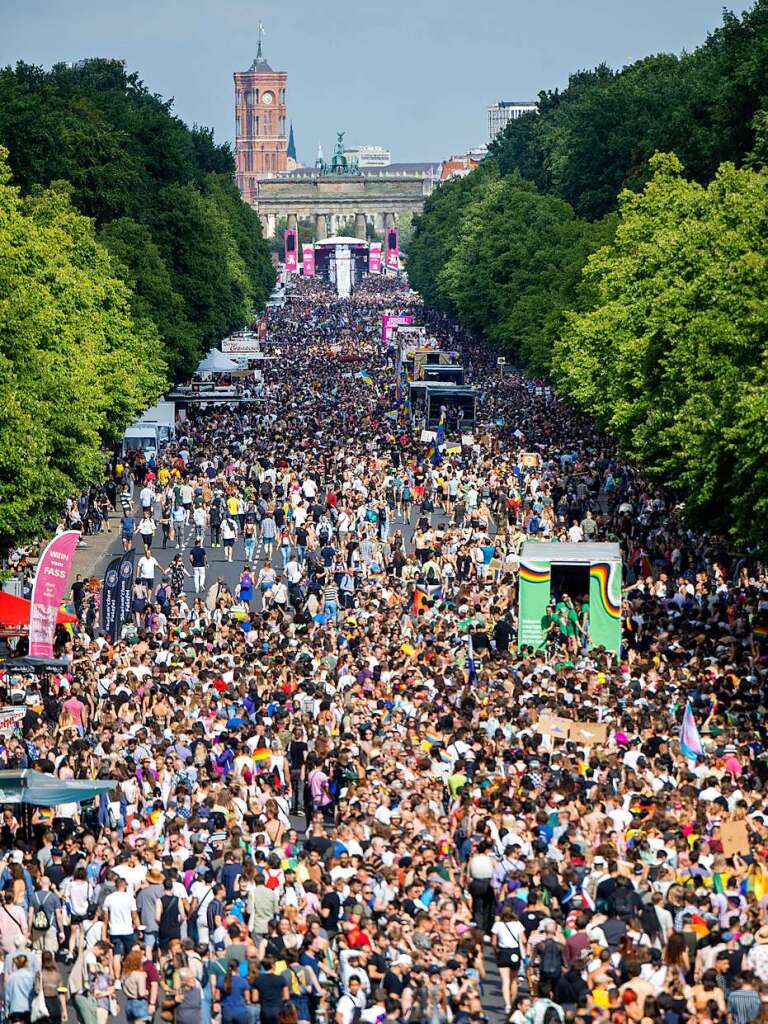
(433, 454)
(431, 739)
(261, 754)
(366, 378)
(761, 632)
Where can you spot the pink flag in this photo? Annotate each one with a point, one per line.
(291, 254)
(308, 260)
(374, 258)
(48, 591)
(393, 247)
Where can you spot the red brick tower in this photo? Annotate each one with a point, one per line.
(261, 135)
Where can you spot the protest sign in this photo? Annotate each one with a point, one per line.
(10, 718)
(588, 733)
(734, 835)
(553, 726)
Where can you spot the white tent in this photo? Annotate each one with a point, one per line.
(216, 362)
(341, 240)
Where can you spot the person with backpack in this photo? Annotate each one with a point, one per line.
(550, 960)
(45, 924)
(229, 530)
(169, 914)
(300, 987)
(349, 1008)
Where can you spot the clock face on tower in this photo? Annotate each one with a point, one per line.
(267, 98)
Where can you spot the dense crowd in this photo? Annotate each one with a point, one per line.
(332, 801)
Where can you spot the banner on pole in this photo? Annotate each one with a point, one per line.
(125, 589)
(48, 591)
(374, 258)
(393, 249)
(308, 260)
(109, 598)
(291, 250)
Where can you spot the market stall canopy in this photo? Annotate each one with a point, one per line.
(15, 611)
(217, 362)
(26, 786)
(33, 663)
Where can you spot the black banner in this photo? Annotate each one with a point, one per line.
(109, 598)
(125, 589)
(117, 594)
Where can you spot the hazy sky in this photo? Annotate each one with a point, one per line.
(413, 75)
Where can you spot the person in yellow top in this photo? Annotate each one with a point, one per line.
(232, 504)
(163, 476)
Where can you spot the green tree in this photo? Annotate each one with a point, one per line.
(127, 158)
(435, 233)
(671, 357)
(74, 366)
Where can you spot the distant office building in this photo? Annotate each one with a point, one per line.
(369, 156)
(501, 113)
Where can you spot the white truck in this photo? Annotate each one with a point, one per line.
(156, 426)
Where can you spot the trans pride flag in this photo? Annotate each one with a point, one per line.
(690, 741)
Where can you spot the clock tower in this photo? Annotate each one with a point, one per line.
(261, 138)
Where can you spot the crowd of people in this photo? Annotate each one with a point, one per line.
(333, 803)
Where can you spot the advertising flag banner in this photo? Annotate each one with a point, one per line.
(125, 588)
(393, 249)
(308, 260)
(374, 258)
(262, 328)
(109, 598)
(48, 591)
(291, 251)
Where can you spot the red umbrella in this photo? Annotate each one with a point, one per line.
(15, 611)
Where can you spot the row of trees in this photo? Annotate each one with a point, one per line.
(636, 281)
(126, 253)
(75, 364)
(162, 197)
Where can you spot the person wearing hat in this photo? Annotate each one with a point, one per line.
(757, 957)
(146, 905)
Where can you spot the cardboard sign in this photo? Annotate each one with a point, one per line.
(734, 836)
(588, 733)
(553, 726)
(428, 435)
(467, 440)
(10, 718)
(531, 460)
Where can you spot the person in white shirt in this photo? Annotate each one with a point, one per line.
(351, 1001)
(145, 570)
(122, 919)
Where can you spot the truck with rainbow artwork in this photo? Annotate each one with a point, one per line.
(592, 571)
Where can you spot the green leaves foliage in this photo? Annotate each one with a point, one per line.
(594, 138)
(74, 365)
(162, 195)
(672, 356)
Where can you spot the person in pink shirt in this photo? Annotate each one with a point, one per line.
(78, 711)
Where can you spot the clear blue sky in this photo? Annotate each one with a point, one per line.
(413, 75)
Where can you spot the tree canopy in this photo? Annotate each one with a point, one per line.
(654, 318)
(672, 356)
(162, 196)
(75, 365)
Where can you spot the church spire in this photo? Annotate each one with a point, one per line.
(291, 152)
